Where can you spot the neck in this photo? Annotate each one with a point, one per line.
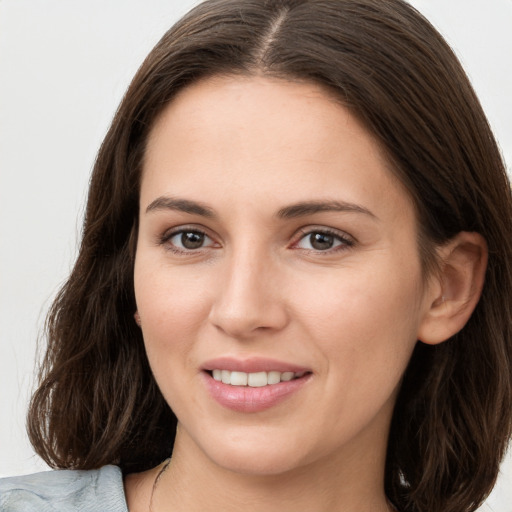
(349, 482)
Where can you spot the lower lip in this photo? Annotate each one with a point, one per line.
(248, 399)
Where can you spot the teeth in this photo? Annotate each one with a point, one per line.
(254, 380)
(226, 377)
(238, 378)
(273, 377)
(257, 380)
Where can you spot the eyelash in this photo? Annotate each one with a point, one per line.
(169, 235)
(346, 242)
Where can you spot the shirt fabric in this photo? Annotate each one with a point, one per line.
(98, 490)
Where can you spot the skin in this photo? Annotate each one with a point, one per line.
(247, 148)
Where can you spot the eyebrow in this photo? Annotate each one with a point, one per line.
(292, 211)
(310, 207)
(182, 205)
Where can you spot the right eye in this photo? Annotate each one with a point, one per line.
(186, 240)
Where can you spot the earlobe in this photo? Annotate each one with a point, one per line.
(462, 262)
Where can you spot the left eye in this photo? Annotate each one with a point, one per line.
(190, 240)
(321, 241)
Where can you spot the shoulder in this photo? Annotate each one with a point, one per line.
(64, 491)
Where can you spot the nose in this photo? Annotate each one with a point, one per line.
(250, 297)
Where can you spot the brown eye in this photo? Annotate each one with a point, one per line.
(189, 240)
(192, 240)
(323, 241)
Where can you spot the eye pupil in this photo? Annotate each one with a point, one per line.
(192, 240)
(321, 241)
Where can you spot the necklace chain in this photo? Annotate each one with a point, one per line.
(157, 479)
(166, 465)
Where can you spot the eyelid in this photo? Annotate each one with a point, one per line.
(168, 234)
(347, 240)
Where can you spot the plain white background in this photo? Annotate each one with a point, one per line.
(64, 66)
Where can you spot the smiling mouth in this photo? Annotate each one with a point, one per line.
(256, 379)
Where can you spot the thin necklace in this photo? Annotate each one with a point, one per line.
(157, 479)
(166, 465)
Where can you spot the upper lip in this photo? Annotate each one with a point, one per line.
(251, 365)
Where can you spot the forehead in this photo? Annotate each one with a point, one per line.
(261, 138)
(242, 105)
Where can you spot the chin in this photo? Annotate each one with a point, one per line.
(252, 455)
(261, 463)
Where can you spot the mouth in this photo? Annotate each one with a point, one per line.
(253, 385)
(255, 379)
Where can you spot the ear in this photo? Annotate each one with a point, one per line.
(456, 290)
(137, 318)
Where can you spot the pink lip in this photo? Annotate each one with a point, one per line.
(245, 398)
(251, 365)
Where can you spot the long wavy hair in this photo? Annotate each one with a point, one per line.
(97, 401)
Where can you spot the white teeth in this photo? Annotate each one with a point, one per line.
(254, 380)
(257, 380)
(273, 377)
(239, 378)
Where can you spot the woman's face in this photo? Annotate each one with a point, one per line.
(275, 243)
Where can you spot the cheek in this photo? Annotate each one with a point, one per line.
(350, 301)
(173, 306)
(365, 324)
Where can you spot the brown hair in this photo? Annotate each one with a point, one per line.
(98, 402)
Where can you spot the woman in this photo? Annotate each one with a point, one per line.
(294, 277)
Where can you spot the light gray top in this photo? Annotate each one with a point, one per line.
(99, 490)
